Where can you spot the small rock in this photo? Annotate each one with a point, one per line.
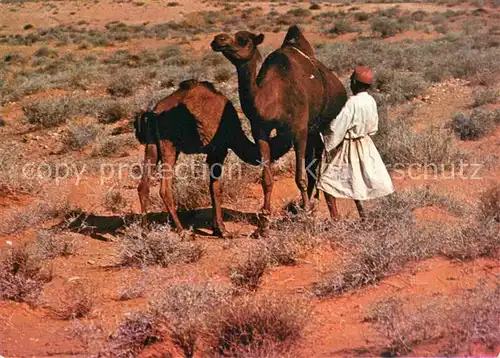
(91, 262)
(8, 242)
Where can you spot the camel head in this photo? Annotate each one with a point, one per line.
(238, 49)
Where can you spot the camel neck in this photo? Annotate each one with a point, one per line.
(247, 85)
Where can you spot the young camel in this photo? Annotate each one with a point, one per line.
(293, 93)
(194, 119)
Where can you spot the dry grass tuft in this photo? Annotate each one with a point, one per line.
(183, 310)
(78, 136)
(115, 202)
(459, 322)
(387, 241)
(250, 326)
(77, 301)
(489, 204)
(487, 96)
(49, 112)
(158, 246)
(41, 210)
(400, 145)
(478, 124)
(51, 244)
(23, 274)
(137, 331)
(132, 288)
(248, 273)
(469, 240)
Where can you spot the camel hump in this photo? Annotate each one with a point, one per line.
(294, 37)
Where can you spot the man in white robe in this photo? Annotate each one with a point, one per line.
(353, 167)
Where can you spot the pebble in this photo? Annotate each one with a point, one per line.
(8, 242)
(91, 262)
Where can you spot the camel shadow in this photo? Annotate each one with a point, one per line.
(96, 226)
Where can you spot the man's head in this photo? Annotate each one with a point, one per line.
(361, 79)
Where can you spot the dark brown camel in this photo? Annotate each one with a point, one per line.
(293, 93)
(194, 119)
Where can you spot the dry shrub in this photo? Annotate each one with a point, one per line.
(77, 301)
(398, 86)
(223, 74)
(400, 145)
(41, 210)
(486, 96)
(122, 85)
(374, 255)
(158, 246)
(112, 111)
(51, 244)
(478, 124)
(342, 26)
(285, 249)
(132, 288)
(248, 273)
(387, 27)
(49, 112)
(469, 240)
(458, 322)
(108, 145)
(137, 331)
(251, 326)
(182, 310)
(23, 274)
(385, 243)
(489, 204)
(80, 135)
(12, 178)
(115, 202)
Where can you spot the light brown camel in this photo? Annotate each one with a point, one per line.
(194, 119)
(293, 93)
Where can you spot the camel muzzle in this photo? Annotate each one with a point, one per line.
(220, 43)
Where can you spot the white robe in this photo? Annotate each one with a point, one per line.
(353, 167)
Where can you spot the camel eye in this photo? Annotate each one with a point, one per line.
(242, 41)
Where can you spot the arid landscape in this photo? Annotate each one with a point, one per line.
(81, 277)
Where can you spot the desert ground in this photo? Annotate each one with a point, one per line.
(79, 275)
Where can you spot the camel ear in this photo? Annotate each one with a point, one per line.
(257, 40)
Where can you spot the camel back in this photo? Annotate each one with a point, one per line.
(184, 112)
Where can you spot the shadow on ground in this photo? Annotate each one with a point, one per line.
(98, 225)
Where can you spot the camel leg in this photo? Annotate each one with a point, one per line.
(150, 159)
(215, 162)
(267, 186)
(169, 155)
(300, 169)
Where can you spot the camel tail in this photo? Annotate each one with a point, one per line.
(243, 147)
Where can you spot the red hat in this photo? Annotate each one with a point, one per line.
(363, 74)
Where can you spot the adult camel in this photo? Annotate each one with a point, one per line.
(293, 93)
(196, 118)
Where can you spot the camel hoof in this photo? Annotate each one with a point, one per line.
(260, 234)
(186, 235)
(222, 233)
